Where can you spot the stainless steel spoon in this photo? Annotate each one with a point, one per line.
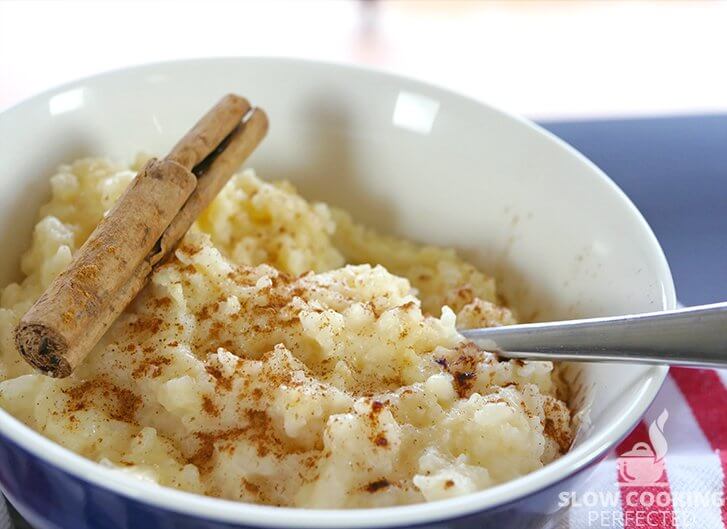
(693, 336)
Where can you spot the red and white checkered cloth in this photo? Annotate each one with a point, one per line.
(691, 492)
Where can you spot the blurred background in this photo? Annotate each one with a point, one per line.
(639, 87)
(541, 59)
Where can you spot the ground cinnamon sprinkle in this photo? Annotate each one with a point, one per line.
(561, 435)
(202, 458)
(207, 311)
(162, 303)
(372, 307)
(463, 367)
(221, 381)
(188, 269)
(151, 366)
(189, 249)
(216, 329)
(376, 408)
(250, 487)
(209, 407)
(144, 324)
(408, 305)
(381, 440)
(119, 403)
(376, 486)
(463, 382)
(259, 431)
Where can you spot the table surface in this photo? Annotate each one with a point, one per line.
(675, 170)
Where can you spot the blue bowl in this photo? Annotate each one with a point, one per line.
(51, 498)
(355, 138)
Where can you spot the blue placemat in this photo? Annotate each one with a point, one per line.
(675, 171)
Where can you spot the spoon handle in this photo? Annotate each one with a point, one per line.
(692, 336)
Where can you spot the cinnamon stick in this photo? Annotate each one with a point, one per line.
(147, 221)
(209, 132)
(237, 148)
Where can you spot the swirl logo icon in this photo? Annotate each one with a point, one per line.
(643, 465)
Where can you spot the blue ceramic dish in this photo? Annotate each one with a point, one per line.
(563, 240)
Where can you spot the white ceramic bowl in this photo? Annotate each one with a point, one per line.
(402, 156)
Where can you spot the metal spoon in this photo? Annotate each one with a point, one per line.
(693, 336)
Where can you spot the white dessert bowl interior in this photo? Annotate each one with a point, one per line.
(404, 157)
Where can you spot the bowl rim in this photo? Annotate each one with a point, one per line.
(573, 462)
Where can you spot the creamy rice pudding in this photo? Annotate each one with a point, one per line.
(285, 355)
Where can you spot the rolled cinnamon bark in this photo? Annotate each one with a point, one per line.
(237, 148)
(114, 264)
(67, 320)
(210, 131)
